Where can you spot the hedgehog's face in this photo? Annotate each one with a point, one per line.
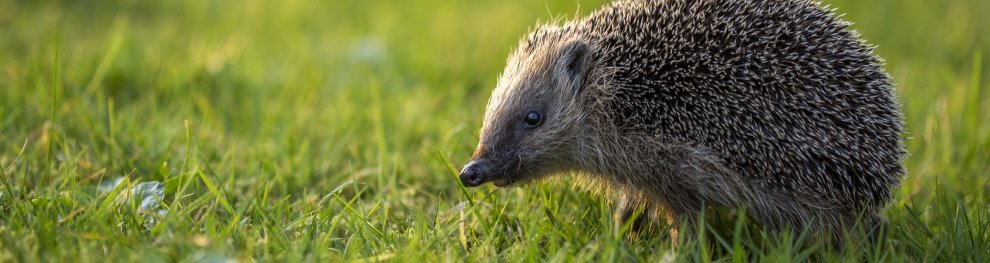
(533, 116)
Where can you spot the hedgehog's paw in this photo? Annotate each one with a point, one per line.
(638, 219)
(630, 216)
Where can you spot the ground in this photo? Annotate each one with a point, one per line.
(305, 130)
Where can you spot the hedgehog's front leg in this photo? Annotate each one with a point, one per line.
(637, 215)
(630, 214)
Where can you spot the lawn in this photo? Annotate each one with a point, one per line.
(306, 130)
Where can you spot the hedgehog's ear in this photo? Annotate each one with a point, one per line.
(574, 64)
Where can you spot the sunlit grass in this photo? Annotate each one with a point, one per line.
(315, 131)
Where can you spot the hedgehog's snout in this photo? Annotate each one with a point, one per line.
(473, 173)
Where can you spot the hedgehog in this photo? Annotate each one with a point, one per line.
(776, 107)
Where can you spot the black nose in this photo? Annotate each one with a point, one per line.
(471, 175)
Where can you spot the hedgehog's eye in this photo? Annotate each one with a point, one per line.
(533, 118)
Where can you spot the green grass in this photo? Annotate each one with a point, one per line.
(306, 130)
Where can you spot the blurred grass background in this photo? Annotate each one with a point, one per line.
(317, 130)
